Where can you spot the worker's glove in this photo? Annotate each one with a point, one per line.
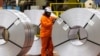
(54, 20)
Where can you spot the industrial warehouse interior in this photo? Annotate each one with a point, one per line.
(75, 32)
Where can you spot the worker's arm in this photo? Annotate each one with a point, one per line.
(53, 19)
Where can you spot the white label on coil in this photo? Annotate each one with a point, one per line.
(65, 27)
(59, 21)
(91, 23)
(17, 22)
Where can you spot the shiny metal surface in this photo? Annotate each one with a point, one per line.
(4, 35)
(35, 16)
(93, 28)
(86, 21)
(82, 17)
(21, 33)
(89, 21)
(59, 35)
(76, 23)
(77, 35)
(68, 49)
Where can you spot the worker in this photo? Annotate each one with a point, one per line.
(46, 23)
(1, 4)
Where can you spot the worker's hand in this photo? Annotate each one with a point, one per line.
(54, 20)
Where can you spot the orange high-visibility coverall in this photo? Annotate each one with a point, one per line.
(1, 3)
(45, 35)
